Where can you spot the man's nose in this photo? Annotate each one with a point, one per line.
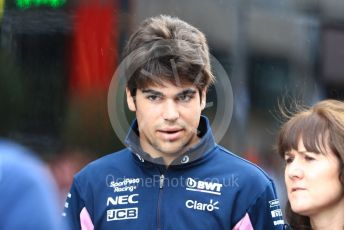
(170, 111)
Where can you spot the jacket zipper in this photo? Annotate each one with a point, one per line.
(162, 178)
(161, 186)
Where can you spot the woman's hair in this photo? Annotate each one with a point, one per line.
(318, 126)
(165, 48)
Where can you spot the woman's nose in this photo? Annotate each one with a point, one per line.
(295, 170)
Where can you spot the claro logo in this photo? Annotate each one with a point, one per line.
(125, 199)
(194, 204)
(203, 186)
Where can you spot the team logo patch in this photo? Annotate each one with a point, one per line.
(122, 214)
(203, 186)
(120, 200)
(194, 204)
(127, 184)
(276, 212)
(274, 203)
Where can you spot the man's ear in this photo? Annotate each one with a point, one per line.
(130, 100)
(204, 98)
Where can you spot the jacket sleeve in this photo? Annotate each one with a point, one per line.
(264, 214)
(75, 212)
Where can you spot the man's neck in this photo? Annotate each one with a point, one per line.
(168, 158)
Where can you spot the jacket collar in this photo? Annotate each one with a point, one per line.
(195, 152)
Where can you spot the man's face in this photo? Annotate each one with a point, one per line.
(168, 117)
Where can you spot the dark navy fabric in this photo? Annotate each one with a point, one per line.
(208, 187)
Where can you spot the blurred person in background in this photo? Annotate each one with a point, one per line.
(28, 198)
(63, 167)
(172, 175)
(312, 144)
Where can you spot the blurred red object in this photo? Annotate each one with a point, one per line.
(94, 47)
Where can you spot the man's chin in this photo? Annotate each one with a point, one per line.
(172, 151)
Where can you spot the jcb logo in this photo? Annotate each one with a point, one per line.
(122, 214)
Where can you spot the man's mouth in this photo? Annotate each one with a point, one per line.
(170, 134)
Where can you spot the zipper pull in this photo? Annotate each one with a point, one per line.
(162, 178)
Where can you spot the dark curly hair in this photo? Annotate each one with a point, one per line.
(167, 49)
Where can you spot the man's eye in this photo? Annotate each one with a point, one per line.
(309, 158)
(185, 98)
(288, 160)
(153, 97)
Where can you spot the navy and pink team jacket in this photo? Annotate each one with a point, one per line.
(207, 187)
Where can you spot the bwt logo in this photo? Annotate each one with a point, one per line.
(125, 199)
(203, 186)
(122, 214)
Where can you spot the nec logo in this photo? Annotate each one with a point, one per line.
(122, 214)
(203, 186)
(125, 199)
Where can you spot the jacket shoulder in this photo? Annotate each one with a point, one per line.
(103, 163)
(245, 169)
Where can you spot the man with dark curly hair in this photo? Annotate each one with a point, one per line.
(172, 175)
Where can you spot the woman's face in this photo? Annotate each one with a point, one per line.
(312, 181)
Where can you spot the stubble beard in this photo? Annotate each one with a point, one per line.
(175, 152)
